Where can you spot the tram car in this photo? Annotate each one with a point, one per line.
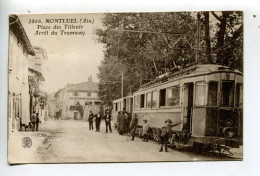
(122, 104)
(206, 99)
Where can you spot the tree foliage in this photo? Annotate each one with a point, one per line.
(144, 45)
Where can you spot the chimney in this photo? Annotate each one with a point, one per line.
(90, 78)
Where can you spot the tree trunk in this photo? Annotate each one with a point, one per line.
(207, 37)
(221, 37)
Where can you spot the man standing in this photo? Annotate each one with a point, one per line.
(90, 120)
(37, 121)
(108, 121)
(97, 121)
(122, 122)
(133, 126)
(33, 120)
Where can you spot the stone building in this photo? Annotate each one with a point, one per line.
(18, 93)
(75, 101)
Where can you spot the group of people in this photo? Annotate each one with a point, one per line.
(97, 119)
(123, 120)
(127, 124)
(35, 120)
(164, 135)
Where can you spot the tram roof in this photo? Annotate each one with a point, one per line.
(189, 71)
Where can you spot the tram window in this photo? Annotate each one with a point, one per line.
(154, 99)
(137, 102)
(173, 96)
(149, 100)
(200, 93)
(115, 107)
(142, 101)
(213, 94)
(162, 97)
(227, 93)
(239, 95)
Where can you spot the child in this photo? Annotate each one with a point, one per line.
(166, 130)
(145, 131)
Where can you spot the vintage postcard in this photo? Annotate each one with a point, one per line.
(125, 87)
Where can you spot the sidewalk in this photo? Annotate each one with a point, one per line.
(19, 152)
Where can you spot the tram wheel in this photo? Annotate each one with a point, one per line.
(198, 147)
(155, 135)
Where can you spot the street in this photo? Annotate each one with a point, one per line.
(72, 141)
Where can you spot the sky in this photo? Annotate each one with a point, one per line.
(71, 58)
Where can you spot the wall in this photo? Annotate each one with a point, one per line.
(18, 78)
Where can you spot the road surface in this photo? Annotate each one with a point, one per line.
(70, 141)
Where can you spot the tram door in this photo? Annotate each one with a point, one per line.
(188, 105)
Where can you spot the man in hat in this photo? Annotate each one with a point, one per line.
(166, 133)
(108, 119)
(145, 130)
(133, 126)
(90, 120)
(98, 121)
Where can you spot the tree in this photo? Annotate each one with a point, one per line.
(145, 45)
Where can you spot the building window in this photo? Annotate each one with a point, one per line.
(149, 100)
(239, 95)
(173, 96)
(227, 98)
(213, 94)
(142, 101)
(75, 93)
(200, 93)
(88, 102)
(162, 97)
(89, 94)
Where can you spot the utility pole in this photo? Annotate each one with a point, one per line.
(198, 36)
(122, 88)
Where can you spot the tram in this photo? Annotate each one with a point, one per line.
(207, 99)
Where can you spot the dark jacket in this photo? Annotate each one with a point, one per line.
(91, 117)
(107, 118)
(133, 124)
(37, 119)
(98, 117)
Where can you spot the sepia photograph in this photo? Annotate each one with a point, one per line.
(125, 87)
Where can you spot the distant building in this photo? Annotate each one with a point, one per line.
(51, 104)
(75, 101)
(18, 94)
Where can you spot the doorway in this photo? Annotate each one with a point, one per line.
(188, 106)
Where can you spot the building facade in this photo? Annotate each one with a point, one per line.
(38, 98)
(51, 105)
(18, 94)
(76, 101)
